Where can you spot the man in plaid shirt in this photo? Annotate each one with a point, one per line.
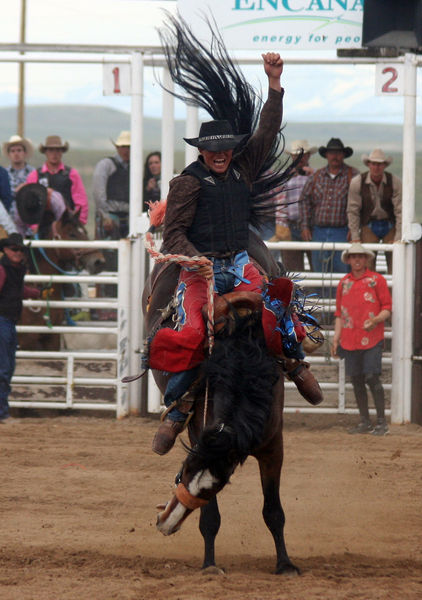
(287, 219)
(323, 206)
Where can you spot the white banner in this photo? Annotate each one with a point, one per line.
(279, 24)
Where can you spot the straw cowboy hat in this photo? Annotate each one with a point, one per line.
(215, 136)
(14, 239)
(31, 201)
(123, 139)
(53, 141)
(16, 140)
(297, 146)
(335, 144)
(356, 248)
(377, 156)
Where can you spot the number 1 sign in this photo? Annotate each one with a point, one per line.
(389, 79)
(116, 79)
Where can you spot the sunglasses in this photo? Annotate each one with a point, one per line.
(16, 249)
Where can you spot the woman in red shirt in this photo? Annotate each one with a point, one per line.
(363, 303)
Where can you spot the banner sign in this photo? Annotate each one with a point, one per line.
(279, 24)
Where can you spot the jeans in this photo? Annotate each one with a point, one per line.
(8, 344)
(328, 261)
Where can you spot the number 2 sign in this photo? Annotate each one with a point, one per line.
(116, 79)
(389, 79)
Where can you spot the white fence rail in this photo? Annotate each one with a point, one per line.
(119, 329)
(309, 279)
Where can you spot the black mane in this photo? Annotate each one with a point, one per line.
(241, 375)
(207, 77)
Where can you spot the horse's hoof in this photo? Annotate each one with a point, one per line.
(213, 570)
(290, 570)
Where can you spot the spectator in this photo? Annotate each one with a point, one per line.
(66, 180)
(374, 204)
(287, 221)
(363, 303)
(5, 191)
(323, 205)
(19, 150)
(7, 225)
(152, 179)
(32, 200)
(12, 290)
(111, 191)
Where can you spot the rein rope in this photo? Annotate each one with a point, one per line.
(192, 263)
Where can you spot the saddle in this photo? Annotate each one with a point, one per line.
(230, 306)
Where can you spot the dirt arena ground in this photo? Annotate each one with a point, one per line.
(77, 505)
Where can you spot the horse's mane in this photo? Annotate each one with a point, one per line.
(207, 78)
(241, 375)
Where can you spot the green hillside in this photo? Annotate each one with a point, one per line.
(89, 129)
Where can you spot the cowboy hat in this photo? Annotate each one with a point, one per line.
(53, 141)
(335, 144)
(16, 140)
(31, 201)
(14, 239)
(215, 136)
(123, 139)
(298, 146)
(376, 156)
(356, 248)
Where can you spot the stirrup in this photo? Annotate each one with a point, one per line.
(174, 404)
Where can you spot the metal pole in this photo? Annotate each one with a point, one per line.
(399, 293)
(123, 320)
(135, 335)
(408, 213)
(135, 212)
(136, 146)
(192, 127)
(167, 134)
(21, 104)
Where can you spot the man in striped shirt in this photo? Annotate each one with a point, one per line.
(323, 206)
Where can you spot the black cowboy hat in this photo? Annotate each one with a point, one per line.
(31, 201)
(335, 144)
(215, 136)
(14, 239)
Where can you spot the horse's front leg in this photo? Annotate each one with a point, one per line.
(209, 524)
(270, 469)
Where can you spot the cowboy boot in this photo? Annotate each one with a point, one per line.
(170, 428)
(299, 372)
(179, 400)
(166, 435)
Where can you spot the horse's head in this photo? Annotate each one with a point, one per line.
(69, 227)
(205, 471)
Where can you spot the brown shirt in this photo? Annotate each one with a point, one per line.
(184, 189)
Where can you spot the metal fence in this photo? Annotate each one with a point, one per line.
(119, 329)
(309, 279)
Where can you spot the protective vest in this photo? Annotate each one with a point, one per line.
(118, 183)
(12, 291)
(221, 221)
(60, 182)
(368, 203)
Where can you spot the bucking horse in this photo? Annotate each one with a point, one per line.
(237, 410)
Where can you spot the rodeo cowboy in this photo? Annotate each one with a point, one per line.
(208, 215)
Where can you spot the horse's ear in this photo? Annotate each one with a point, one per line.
(66, 217)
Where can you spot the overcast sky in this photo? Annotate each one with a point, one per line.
(313, 93)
